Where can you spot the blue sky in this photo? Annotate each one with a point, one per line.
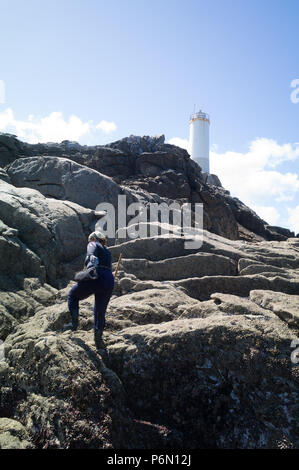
(96, 71)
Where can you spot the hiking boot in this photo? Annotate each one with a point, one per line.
(98, 338)
(75, 319)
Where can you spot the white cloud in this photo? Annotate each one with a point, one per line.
(253, 176)
(51, 128)
(268, 213)
(106, 126)
(294, 219)
(267, 152)
(183, 143)
(250, 176)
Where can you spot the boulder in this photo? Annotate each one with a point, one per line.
(42, 237)
(10, 148)
(262, 268)
(196, 265)
(286, 233)
(149, 229)
(155, 248)
(152, 164)
(13, 435)
(243, 263)
(222, 218)
(111, 162)
(213, 180)
(150, 306)
(202, 288)
(235, 305)
(61, 178)
(230, 368)
(284, 306)
(17, 258)
(135, 145)
(71, 399)
(21, 299)
(4, 176)
(105, 160)
(169, 184)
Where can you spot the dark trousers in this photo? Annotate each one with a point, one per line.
(102, 289)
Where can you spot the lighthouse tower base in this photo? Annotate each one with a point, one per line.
(199, 140)
(204, 163)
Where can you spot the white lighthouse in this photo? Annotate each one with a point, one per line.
(199, 139)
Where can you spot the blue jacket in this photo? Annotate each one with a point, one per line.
(102, 254)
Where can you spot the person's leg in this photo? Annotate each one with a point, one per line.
(102, 297)
(101, 301)
(79, 291)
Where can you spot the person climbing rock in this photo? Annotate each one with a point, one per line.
(98, 257)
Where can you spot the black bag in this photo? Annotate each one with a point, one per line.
(87, 275)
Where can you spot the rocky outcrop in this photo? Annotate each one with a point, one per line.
(197, 265)
(42, 243)
(4, 176)
(13, 435)
(198, 350)
(72, 399)
(284, 306)
(153, 164)
(135, 145)
(10, 149)
(21, 299)
(63, 179)
(213, 180)
(222, 369)
(135, 163)
(41, 237)
(279, 233)
(229, 355)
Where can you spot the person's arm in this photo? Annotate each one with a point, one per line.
(91, 248)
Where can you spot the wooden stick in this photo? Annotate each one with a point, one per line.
(118, 263)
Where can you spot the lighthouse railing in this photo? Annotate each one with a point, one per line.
(199, 115)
